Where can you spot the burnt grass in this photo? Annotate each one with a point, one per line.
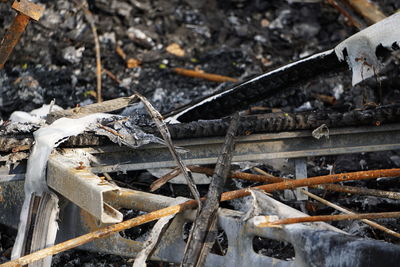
(55, 59)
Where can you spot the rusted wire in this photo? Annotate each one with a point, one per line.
(359, 191)
(327, 218)
(339, 208)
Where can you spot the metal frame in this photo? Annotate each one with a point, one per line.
(94, 202)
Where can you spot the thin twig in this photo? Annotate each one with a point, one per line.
(112, 76)
(327, 218)
(162, 127)
(155, 215)
(339, 208)
(164, 179)
(90, 18)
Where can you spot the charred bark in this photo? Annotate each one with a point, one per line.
(277, 122)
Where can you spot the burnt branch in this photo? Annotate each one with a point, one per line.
(201, 238)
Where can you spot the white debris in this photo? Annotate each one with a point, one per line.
(338, 91)
(359, 50)
(46, 138)
(72, 54)
(321, 131)
(36, 116)
(306, 106)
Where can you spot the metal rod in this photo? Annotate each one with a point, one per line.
(339, 208)
(12, 37)
(327, 218)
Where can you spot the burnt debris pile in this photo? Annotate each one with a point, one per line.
(199, 133)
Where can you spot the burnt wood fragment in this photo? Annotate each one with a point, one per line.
(204, 231)
(277, 122)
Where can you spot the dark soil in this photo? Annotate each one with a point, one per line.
(55, 59)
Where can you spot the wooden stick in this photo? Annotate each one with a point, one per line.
(90, 18)
(155, 215)
(201, 238)
(339, 208)
(327, 218)
(164, 179)
(162, 127)
(205, 76)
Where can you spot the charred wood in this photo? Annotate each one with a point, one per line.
(271, 122)
(202, 237)
(277, 122)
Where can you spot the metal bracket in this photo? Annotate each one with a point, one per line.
(70, 178)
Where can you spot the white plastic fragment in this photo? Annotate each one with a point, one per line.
(359, 50)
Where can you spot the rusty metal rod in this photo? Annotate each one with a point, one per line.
(334, 178)
(26, 11)
(359, 191)
(327, 218)
(342, 188)
(339, 208)
(155, 215)
(12, 37)
(205, 76)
